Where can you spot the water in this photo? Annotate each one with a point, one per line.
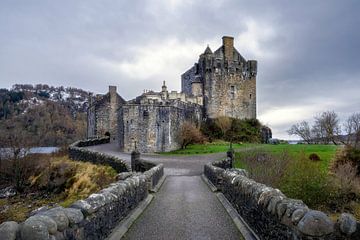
(6, 152)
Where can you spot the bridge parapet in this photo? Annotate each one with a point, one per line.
(96, 216)
(270, 214)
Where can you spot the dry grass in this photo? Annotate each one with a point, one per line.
(59, 180)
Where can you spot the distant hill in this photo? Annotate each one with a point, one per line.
(53, 116)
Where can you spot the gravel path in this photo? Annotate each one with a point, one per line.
(184, 208)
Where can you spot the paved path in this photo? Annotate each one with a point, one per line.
(184, 208)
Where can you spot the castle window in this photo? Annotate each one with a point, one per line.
(250, 96)
(232, 92)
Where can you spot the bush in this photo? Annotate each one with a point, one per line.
(264, 167)
(348, 155)
(241, 130)
(314, 157)
(190, 134)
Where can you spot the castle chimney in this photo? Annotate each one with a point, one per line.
(164, 88)
(112, 92)
(228, 43)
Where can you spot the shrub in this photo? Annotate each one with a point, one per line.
(190, 134)
(314, 157)
(241, 130)
(265, 167)
(348, 155)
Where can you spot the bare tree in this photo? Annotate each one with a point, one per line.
(17, 142)
(352, 130)
(302, 130)
(190, 134)
(327, 127)
(224, 123)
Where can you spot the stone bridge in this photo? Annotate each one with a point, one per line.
(184, 207)
(198, 197)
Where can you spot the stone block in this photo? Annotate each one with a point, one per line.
(315, 224)
(8, 230)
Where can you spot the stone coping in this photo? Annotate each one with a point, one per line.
(271, 214)
(96, 216)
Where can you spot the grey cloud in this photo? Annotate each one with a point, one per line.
(57, 42)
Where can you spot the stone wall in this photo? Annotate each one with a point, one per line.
(271, 214)
(102, 114)
(77, 152)
(154, 127)
(93, 217)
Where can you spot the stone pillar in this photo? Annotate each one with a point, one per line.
(230, 154)
(135, 159)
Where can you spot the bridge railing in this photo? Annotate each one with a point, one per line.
(96, 216)
(270, 214)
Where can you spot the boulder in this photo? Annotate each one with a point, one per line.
(59, 216)
(347, 223)
(83, 206)
(8, 230)
(34, 230)
(75, 216)
(49, 222)
(315, 224)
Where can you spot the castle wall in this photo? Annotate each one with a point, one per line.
(186, 79)
(102, 115)
(154, 127)
(91, 122)
(231, 95)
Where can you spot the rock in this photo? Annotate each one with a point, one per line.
(266, 196)
(34, 230)
(7, 192)
(83, 206)
(96, 201)
(8, 230)
(43, 209)
(49, 222)
(315, 224)
(124, 175)
(59, 216)
(347, 223)
(298, 214)
(75, 216)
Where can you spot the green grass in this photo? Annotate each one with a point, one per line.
(301, 177)
(206, 148)
(325, 152)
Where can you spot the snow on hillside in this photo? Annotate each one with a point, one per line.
(75, 99)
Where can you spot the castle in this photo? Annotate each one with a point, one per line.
(221, 83)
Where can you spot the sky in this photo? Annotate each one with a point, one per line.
(308, 51)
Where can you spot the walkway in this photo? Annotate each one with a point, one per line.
(184, 208)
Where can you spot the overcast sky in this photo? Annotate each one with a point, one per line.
(307, 51)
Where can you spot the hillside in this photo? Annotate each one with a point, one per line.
(48, 116)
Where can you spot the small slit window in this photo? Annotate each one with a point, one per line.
(250, 96)
(232, 92)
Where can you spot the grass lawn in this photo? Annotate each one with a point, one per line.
(325, 152)
(214, 147)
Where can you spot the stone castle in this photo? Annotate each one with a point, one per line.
(221, 83)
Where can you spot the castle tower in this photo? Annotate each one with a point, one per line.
(228, 82)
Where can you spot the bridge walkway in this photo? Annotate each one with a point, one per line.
(184, 208)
